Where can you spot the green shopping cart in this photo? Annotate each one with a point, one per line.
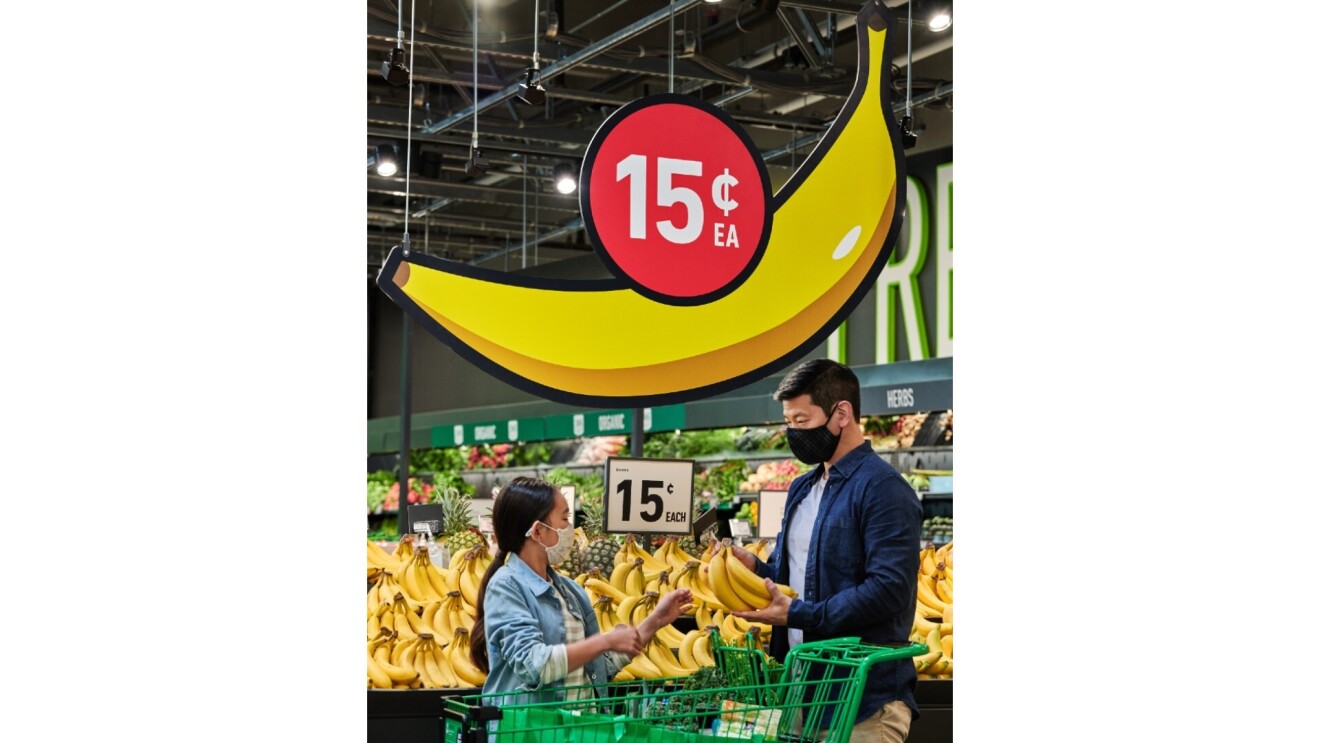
(819, 682)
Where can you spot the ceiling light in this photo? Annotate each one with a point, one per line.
(940, 18)
(909, 134)
(476, 164)
(712, 2)
(395, 69)
(387, 160)
(565, 178)
(530, 90)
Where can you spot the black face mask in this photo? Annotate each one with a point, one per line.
(814, 445)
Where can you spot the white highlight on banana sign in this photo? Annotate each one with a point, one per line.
(848, 242)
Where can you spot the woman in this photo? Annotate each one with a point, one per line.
(535, 629)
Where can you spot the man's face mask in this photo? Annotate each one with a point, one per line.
(815, 445)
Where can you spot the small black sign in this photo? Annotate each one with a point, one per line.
(431, 514)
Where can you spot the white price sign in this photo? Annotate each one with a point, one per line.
(651, 496)
(570, 494)
(770, 516)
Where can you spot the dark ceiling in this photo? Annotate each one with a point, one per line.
(781, 69)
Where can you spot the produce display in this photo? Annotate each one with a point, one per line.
(419, 616)
(772, 476)
(917, 481)
(597, 449)
(383, 489)
(933, 622)
(900, 431)
(718, 482)
(749, 512)
(937, 529)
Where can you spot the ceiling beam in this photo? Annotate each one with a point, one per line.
(566, 64)
(424, 187)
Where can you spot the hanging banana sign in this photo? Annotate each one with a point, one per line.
(717, 282)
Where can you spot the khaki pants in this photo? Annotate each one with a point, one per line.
(889, 725)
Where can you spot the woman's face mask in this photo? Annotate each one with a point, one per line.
(559, 551)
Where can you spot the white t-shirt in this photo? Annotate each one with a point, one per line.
(799, 540)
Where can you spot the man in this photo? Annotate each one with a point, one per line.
(849, 544)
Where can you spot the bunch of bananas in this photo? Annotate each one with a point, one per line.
(629, 594)
(761, 549)
(419, 617)
(669, 654)
(933, 622)
(378, 561)
(466, 569)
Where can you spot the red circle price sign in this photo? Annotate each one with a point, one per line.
(676, 199)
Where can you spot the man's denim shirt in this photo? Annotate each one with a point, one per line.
(861, 567)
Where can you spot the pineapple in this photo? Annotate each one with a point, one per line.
(689, 545)
(572, 565)
(601, 547)
(459, 533)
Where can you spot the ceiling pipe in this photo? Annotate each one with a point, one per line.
(918, 54)
(567, 228)
(825, 6)
(566, 64)
(807, 45)
(943, 91)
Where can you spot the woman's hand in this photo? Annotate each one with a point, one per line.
(625, 639)
(671, 605)
(666, 611)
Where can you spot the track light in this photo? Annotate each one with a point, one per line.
(395, 69)
(940, 18)
(387, 160)
(712, 2)
(530, 90)
(909, 136)
(476, 164)
(565, 178)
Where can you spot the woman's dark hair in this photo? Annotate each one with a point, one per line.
(521, 503)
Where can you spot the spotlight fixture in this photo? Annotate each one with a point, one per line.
(909, 136)
(940, 18)
(476, 164)
(530, 90)
(713, 2)
(565, 178)
(395, 69)
(387, 160)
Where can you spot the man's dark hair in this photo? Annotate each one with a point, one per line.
(828, 382)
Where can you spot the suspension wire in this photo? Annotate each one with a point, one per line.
(671, 46)
(907, 111)
(475, 107)
(536, 36)
(407, 161)
(524, 219)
